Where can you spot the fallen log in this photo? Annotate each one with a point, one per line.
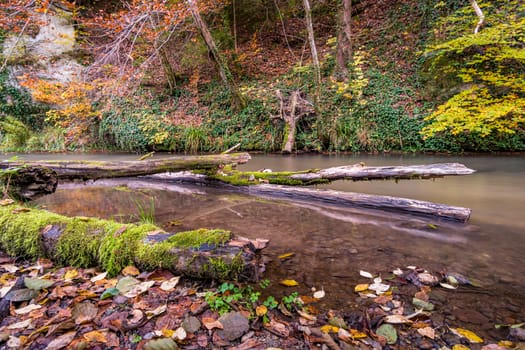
(83, 242)
(28, 183)
(92, 170)
(336, 198)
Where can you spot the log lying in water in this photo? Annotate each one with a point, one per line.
(92, 170)
(83, 242)
(361, 172)
(28, 183)
(350, 199)
(337, 198)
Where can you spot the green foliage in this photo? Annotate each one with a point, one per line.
(14, 133)
(228, 294)
(479, 79)
(146, 213)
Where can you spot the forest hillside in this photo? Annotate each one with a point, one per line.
(273, 75)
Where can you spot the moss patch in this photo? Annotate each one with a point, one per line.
(89, 242)
(246, 178)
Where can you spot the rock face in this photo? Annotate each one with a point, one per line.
(45, 54)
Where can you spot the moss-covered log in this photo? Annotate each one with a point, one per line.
(92, 170)
(83, 242)
(356, 172)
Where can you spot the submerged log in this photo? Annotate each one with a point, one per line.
(92, 170)
(83, 242)
(336, 198)
(28, 183)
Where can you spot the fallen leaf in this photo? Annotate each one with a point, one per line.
(389, 332)
(361, 287)
(427, 332)
(9, 268)
(84, 312)
(96, 336)
(286, 256)
(448, 286)
(139, 289)
(71, 274)
(427, 278)
(354, 333)
(62, 341)
(289, 283)
(125, 284)
(37, 283)
(6, 201)
(306, 315)
(471, 336)
(398, 272)
(261, 310)
(379, 288)
(211, 323)
(22, 324)
(365, 274)
(396, 319)
(460, 347)
(179, 334)
(99, 277)
(109, 293)
(130, 271)
(170, 285)
(161, 344)
(27, 309)
(155, 312)
(319, 294)
(329, 329)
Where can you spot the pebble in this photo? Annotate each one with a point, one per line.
(191, 324)
(235, 325)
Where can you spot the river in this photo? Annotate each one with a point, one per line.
(331, 245)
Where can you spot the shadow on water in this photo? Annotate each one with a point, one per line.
(331, 245)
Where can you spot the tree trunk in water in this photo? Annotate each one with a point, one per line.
(84, 242)
(28, 183)
(313, 50)
(92, 170)
(222, 66)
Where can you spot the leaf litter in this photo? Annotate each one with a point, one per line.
(65, 308)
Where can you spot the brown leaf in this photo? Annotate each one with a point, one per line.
(130, 271)
(211, 323)
(84, 312)
(62, 341)
(96, 336)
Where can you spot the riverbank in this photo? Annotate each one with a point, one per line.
(62, 307)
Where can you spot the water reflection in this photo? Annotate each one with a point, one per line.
(332, 245)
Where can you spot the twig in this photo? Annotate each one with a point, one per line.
(231, 149)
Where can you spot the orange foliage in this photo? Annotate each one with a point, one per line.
(72, 108)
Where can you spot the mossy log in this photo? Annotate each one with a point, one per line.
(93, 170)
(84, 242)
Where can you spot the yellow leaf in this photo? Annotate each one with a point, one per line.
(95, 336)
(261, 310)
(70, 274)
(506, 344)
(361, 287)
(286, 255)
(289, 283)
(168, 333)
(357, 334)
(460, 347)
(471, 336)
(130, 271)
(329, 329)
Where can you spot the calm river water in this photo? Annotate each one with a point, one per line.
(331, 245)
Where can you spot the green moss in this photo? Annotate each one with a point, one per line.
(196, 238)
(225, 270)
(246, 178)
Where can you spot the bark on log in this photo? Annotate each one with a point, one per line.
(28, 183)
(83, 242)
(360, 172)
(93, 170)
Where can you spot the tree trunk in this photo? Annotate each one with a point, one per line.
(313, 50)
(222, 66)
(344, 41)
(84, 242)
(480, 15)
(92, 170)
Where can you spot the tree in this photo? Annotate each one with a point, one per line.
(313, 50)
(344, 41)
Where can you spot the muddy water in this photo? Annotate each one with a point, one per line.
(331, 245)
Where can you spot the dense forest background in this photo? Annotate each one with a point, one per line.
(273, 75)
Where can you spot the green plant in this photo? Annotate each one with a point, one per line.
(146, 214)
(291, 301)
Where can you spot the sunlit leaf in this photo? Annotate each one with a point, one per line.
(95, 336)
(180, 334)
(396, 319)
(125, 284)
(460, 347)
(261, 310)
(9, 268)
(155, 312)
(109, 293)
(448, 286)
(289, 283)
(329, 329)
(428, 332)
(6, 201)
(170, 285)
(319, 294)
(99, 277)
(471, 336)
(71, 274)
(365, 274)
(139, 289)
(361, 287)
(130, 271)
(62, 341)
(27, 309)
(286, 256)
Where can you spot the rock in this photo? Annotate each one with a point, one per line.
(389, 332)
(470, 316)
(161, 344)
(191, 324)
(517, 333)
(235, 325)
